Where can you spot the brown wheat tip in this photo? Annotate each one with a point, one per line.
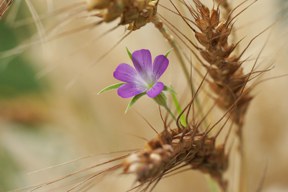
(134, 13)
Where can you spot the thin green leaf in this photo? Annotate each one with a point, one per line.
(177, 106)
(133, 101)
(110, 87)
(129, 53)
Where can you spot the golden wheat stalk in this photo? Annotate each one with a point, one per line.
(229, 81)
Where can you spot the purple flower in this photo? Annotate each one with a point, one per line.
(144, 78)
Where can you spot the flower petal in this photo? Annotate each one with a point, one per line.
(155, 90)
(160, 65)
(125, 73)
(130, 90)
(142, 61)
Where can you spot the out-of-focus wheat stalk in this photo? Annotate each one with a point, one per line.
(4, 5)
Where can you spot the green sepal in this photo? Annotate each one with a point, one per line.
(129, 53)
(110, 87)
(161, 100)
(168, 52)
(133, 101)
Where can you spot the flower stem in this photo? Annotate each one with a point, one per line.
(162, 101)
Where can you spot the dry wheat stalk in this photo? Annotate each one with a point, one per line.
(229, 81)
(174, 149)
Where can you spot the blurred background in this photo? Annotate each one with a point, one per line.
(50, 113)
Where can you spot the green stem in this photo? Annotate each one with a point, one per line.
(162, 101)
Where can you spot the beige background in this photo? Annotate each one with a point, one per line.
(82, 122)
